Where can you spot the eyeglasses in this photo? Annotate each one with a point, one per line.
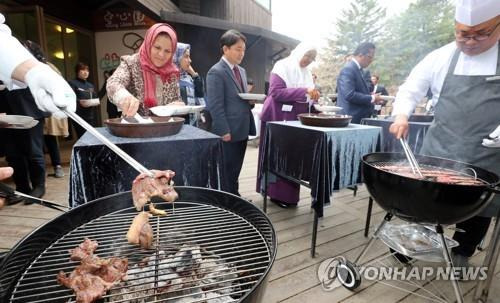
(478, 38)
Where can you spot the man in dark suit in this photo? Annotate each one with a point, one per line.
(378, 89)
(232, 118)
(354, 95)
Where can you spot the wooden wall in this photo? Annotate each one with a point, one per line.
(237, 11)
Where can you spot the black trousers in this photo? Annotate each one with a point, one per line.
(88, 114)
(233, 154)
(53, 149)
(24, 152)
(475, 230)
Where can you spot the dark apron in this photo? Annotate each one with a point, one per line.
(467, 111)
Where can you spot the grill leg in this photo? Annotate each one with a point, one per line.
(265, 189)
(447, 257)
(387, 218)
(368, 216)
(315, 232)
(483, 286)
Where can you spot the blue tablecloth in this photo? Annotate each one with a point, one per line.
(327, 158)
(415, 137)
(194, 154)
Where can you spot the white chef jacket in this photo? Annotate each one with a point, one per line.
(432, 70)
(12, 53)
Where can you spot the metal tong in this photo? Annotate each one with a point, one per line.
(131, 161)
(7, 192)
(410, 157)
(138, 166)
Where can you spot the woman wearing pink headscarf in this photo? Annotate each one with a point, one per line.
(149, 77)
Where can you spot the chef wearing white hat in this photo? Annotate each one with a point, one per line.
(466, 124)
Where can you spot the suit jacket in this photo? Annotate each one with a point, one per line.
(381, 90)
(354, 95)
(230, 113)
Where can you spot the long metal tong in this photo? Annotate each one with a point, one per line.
(7, 191)
(138, 166)
(411, 157)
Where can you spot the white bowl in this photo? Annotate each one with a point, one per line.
(89, 102)
(252, 97)
(171, 110)
(327, 108)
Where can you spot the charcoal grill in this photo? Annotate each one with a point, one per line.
(421, 201)
(220, 246)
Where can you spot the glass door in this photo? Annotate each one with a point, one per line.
(26, 23)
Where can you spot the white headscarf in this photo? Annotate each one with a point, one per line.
(289, 68)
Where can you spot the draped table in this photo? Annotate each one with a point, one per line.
(320, 158)
(416, 134)
(194, 154)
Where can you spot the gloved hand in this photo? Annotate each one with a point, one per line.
(495, 139)
(3, 27)
(50, 90)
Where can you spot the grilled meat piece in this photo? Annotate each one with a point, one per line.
(94, 276)
(140, 231)
(84, 250)
(144, 188)
(87, 287)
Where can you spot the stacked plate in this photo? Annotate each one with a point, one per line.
(175, 110)
(17, 122)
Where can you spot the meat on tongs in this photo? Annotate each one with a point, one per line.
(140, 232)
(145, 187)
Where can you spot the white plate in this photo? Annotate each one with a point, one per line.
(387, 98)
(16, 120)
(252, 97)
(327, 108)
(170, 110)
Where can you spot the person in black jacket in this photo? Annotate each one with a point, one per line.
(24, 147)
(378, 89)
(84, 91)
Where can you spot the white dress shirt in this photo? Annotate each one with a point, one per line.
(231, 66)
(431, 73)
(12, 53)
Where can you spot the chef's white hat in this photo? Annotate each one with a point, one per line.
(474, 12)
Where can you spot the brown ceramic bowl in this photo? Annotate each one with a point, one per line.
(162, 126)
(325, 120)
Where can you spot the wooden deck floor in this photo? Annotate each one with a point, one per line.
(293, 277)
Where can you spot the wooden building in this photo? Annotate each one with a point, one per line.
(98, 32)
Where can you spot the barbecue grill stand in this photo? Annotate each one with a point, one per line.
(349, 276)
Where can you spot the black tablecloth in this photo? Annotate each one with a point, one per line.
(194, 154)
(415, 137)
(327, 158)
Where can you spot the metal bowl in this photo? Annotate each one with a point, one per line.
(325, 120)
(162, 126)
(421, 118)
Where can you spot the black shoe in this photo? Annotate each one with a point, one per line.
(37, 192)
(14, 200)
(282, 204)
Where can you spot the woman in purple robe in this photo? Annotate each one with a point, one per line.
(290, 87)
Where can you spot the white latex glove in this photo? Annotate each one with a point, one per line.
(3, 27)
(50, 90)
(495, 139)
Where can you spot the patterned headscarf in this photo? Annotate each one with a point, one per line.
(167, 72)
